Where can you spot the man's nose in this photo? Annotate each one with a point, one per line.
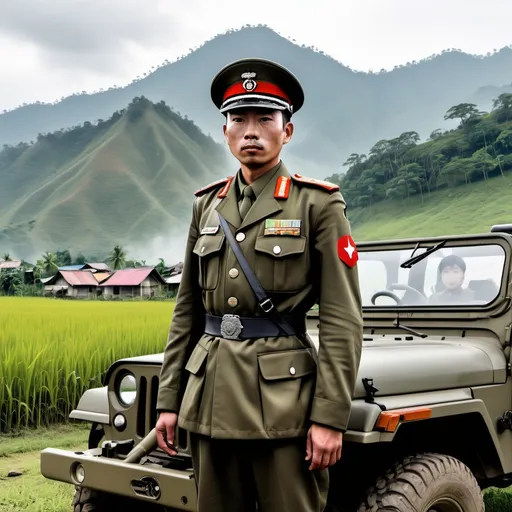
(251, 130)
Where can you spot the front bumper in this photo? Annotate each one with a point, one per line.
(168, 487)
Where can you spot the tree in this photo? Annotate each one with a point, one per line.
(49, 263)
(117, 258)
(462, 111)
(502, 107)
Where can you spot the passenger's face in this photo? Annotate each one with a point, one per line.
(452, 277)
(256, 137)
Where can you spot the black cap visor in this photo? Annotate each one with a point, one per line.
(253, 101)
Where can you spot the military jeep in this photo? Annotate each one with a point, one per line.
(431, 419)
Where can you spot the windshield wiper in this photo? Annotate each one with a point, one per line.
(415, 259)
(397, 323)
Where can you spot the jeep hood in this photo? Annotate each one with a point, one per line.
(400, 366)
(415, 365)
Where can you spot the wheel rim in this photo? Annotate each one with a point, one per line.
(444, 504)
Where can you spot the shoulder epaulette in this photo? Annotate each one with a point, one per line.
(224, 181)
(331, 187)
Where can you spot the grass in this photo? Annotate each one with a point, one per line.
(471, 208)
(32, 492)
(51, 351)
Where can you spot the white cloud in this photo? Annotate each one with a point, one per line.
(57, 47)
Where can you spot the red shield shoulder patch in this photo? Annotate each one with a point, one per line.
(347, 251)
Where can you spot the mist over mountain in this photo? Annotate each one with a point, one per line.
(344, 112)
(128, 180)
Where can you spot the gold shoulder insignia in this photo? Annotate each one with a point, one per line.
(224, 181)
(331, 187)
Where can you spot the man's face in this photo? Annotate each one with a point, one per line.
(256, 136)
(452, 277)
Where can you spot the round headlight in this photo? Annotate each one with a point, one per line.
(127, 390)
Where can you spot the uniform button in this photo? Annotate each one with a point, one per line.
(292, 370)
(202, 249)
(233, 273)
(277, 249)
(240, 237)
(232, 301)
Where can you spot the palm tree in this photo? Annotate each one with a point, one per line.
(49, 263)
(117, 258)
(7, 257)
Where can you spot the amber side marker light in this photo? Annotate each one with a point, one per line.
(389, 420)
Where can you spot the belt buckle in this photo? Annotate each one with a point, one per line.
(231, 327)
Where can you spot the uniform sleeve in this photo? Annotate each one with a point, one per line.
(341, 320)
(186, 327)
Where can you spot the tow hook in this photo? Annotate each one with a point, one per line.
(147, 487)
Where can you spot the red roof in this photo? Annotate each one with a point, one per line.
(78, 278)
(130, 277)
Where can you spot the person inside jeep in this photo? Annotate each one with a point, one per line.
(451, 272)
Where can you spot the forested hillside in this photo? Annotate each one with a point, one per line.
(124, 180)
(479, 149)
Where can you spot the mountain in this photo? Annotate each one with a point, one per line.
(125, 180)
(485, 95)
(344, 112)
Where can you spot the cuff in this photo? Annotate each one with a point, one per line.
(167, 400)
(331, 414)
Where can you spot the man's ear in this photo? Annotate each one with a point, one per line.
(288, 130)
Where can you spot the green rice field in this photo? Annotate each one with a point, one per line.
(52, 350)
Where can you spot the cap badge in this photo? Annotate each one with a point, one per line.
(249, 84)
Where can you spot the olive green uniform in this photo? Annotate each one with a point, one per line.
(251, 402)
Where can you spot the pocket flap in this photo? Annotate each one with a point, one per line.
(288, 364)
(196, 359)
(208, 244)
(287, 245)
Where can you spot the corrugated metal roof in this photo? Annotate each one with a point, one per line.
(10, 264)
(78, 278)
(71, 267)
(130, 276)
(98, 266)
(101, 276)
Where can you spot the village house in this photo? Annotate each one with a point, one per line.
(73, 283)
(9, 264)
(133, 282)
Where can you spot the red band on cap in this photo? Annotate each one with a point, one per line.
(261, 88)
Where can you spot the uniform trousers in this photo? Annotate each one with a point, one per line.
(266, 475)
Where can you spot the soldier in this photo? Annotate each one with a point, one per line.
(266, 413)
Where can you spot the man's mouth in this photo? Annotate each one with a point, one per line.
(251, 146)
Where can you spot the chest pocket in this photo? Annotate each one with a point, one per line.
(208, 248)
(281, 262)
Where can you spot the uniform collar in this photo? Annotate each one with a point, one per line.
(258, 185)
(263, 206)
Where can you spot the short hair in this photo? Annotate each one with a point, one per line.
(452, 261)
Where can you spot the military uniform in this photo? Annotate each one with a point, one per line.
(248, 402)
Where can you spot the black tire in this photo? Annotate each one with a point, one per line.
(421, 483)
(88, 500)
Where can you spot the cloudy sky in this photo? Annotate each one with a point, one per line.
(52, 48)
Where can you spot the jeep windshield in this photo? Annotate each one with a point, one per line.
(458, 274)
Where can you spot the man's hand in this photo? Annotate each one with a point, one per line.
(323, 446)
(165, 432)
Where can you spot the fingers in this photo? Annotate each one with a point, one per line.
(309, 446)
(165, 437)
(316, 462)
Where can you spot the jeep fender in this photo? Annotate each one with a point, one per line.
(93, 406)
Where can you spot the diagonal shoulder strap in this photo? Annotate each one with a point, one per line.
(264, 301)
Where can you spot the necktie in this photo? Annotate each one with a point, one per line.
(246, 202)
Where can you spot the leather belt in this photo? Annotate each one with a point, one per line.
(234, 327)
